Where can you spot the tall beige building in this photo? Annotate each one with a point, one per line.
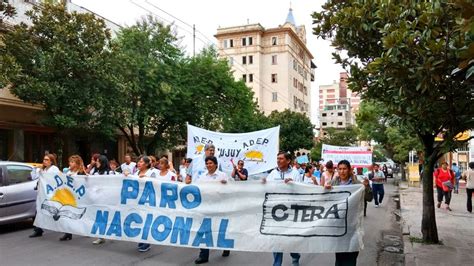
(337, 104)
(275, 63)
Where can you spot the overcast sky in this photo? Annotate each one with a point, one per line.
(208, 15)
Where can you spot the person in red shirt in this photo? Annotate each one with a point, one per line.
(444, 183)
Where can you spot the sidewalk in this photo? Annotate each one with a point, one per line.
(455, 230)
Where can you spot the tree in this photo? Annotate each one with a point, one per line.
(296, 130)
(61, 63)
(404, 54)
(375, 123)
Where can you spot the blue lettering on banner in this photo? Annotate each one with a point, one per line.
(148, 195)
(194, 192)
(146, 228)
(69, 181)
(49, 189)
(168, 199)
(204, 234)
(81, 191)
(100, 223)
(181, 229)
(221, 240)
(126, 192)
(127, 229)
(155, 228)
(116, 225)
(59, 181)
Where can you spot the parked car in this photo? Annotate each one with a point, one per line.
(17, 192)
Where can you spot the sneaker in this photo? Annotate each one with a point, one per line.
(449, 209)
(200, 260)
(144, 248)
(226, 253)
(98, 241)
(376, 206)
(438, 205)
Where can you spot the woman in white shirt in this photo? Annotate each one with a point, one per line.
(102, 167)
(48, 167)
(211, 174)
(165, 173)
(329, 174)
(308, 177)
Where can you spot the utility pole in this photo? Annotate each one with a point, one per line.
(194, 40)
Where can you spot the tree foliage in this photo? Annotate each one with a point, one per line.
(404, 54)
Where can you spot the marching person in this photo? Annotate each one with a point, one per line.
(102, 168)
(91, 167)
(309, 177)
(345, 177)
(329, 174)
(457, 177)
(284, 172)
(212, 173)
(184, 169)
(48, 167)
(115, 166)
(239, 173)
(76, 167)
(198, 165)
(444, 184)
(144, 169)
(128, 167)
(378, 178)
(468, 175)
(165, 173)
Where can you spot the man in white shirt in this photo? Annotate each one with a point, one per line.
(285, 173)
(128, 166)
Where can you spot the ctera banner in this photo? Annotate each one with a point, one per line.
(257, 148)
(242, 216)
(357, 156)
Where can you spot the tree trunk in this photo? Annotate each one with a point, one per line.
(428, 221)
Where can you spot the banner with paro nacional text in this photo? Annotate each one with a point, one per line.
(243, 216)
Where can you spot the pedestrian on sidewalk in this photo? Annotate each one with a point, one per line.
(444, 183)
(378, 178)
(457, 176)
(468, 175)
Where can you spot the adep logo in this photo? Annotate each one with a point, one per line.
(63, 197)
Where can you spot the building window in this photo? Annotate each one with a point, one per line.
(250, 40)
(250, 77)
(274, 78)
(339, 123)
(274, 96)
(324, 114)
(295, 65)
(295, 83)
(339, 114)
(250, 59)
(325, 124)
(231, 43)
(274, 40)
(244, 41)
(244, 60)
(244, 77)
(274, 59)
(225, 44)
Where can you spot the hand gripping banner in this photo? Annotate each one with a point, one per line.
(243, 216)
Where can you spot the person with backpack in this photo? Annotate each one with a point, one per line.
(444, 184)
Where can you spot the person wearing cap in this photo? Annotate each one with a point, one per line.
(198, 164)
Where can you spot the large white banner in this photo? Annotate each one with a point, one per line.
(357, 156)
(258, 149)
(245, 216)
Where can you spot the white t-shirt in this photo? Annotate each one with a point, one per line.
(53, 169)
(129, 167)
(277, 175)
(152, 172)
(170, 176)
(217, 175)
(308, 179)
(198, 166)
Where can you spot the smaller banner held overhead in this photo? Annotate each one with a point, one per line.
(357, 156)
(258, 149)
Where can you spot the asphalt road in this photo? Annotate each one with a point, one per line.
(17, 249)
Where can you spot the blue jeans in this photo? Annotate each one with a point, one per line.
(278, 258)
(378, 191)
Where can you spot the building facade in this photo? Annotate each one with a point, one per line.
(337, 104)
(275, 63)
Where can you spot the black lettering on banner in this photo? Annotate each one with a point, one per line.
(305, 214)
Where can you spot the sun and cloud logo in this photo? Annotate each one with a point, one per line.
(254, 155)
(199, 149)
(63, 202)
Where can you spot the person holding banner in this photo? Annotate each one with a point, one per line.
(345, 178)
(76, 167)
(284, 172)
(308, 177)
(49, 167)
(165, 173)
(239, 173)
(198, 165)
(329, 174)
(128, 167)
(211, 174)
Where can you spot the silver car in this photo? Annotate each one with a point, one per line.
(17, 192)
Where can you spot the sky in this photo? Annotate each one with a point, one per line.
(209, 15)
